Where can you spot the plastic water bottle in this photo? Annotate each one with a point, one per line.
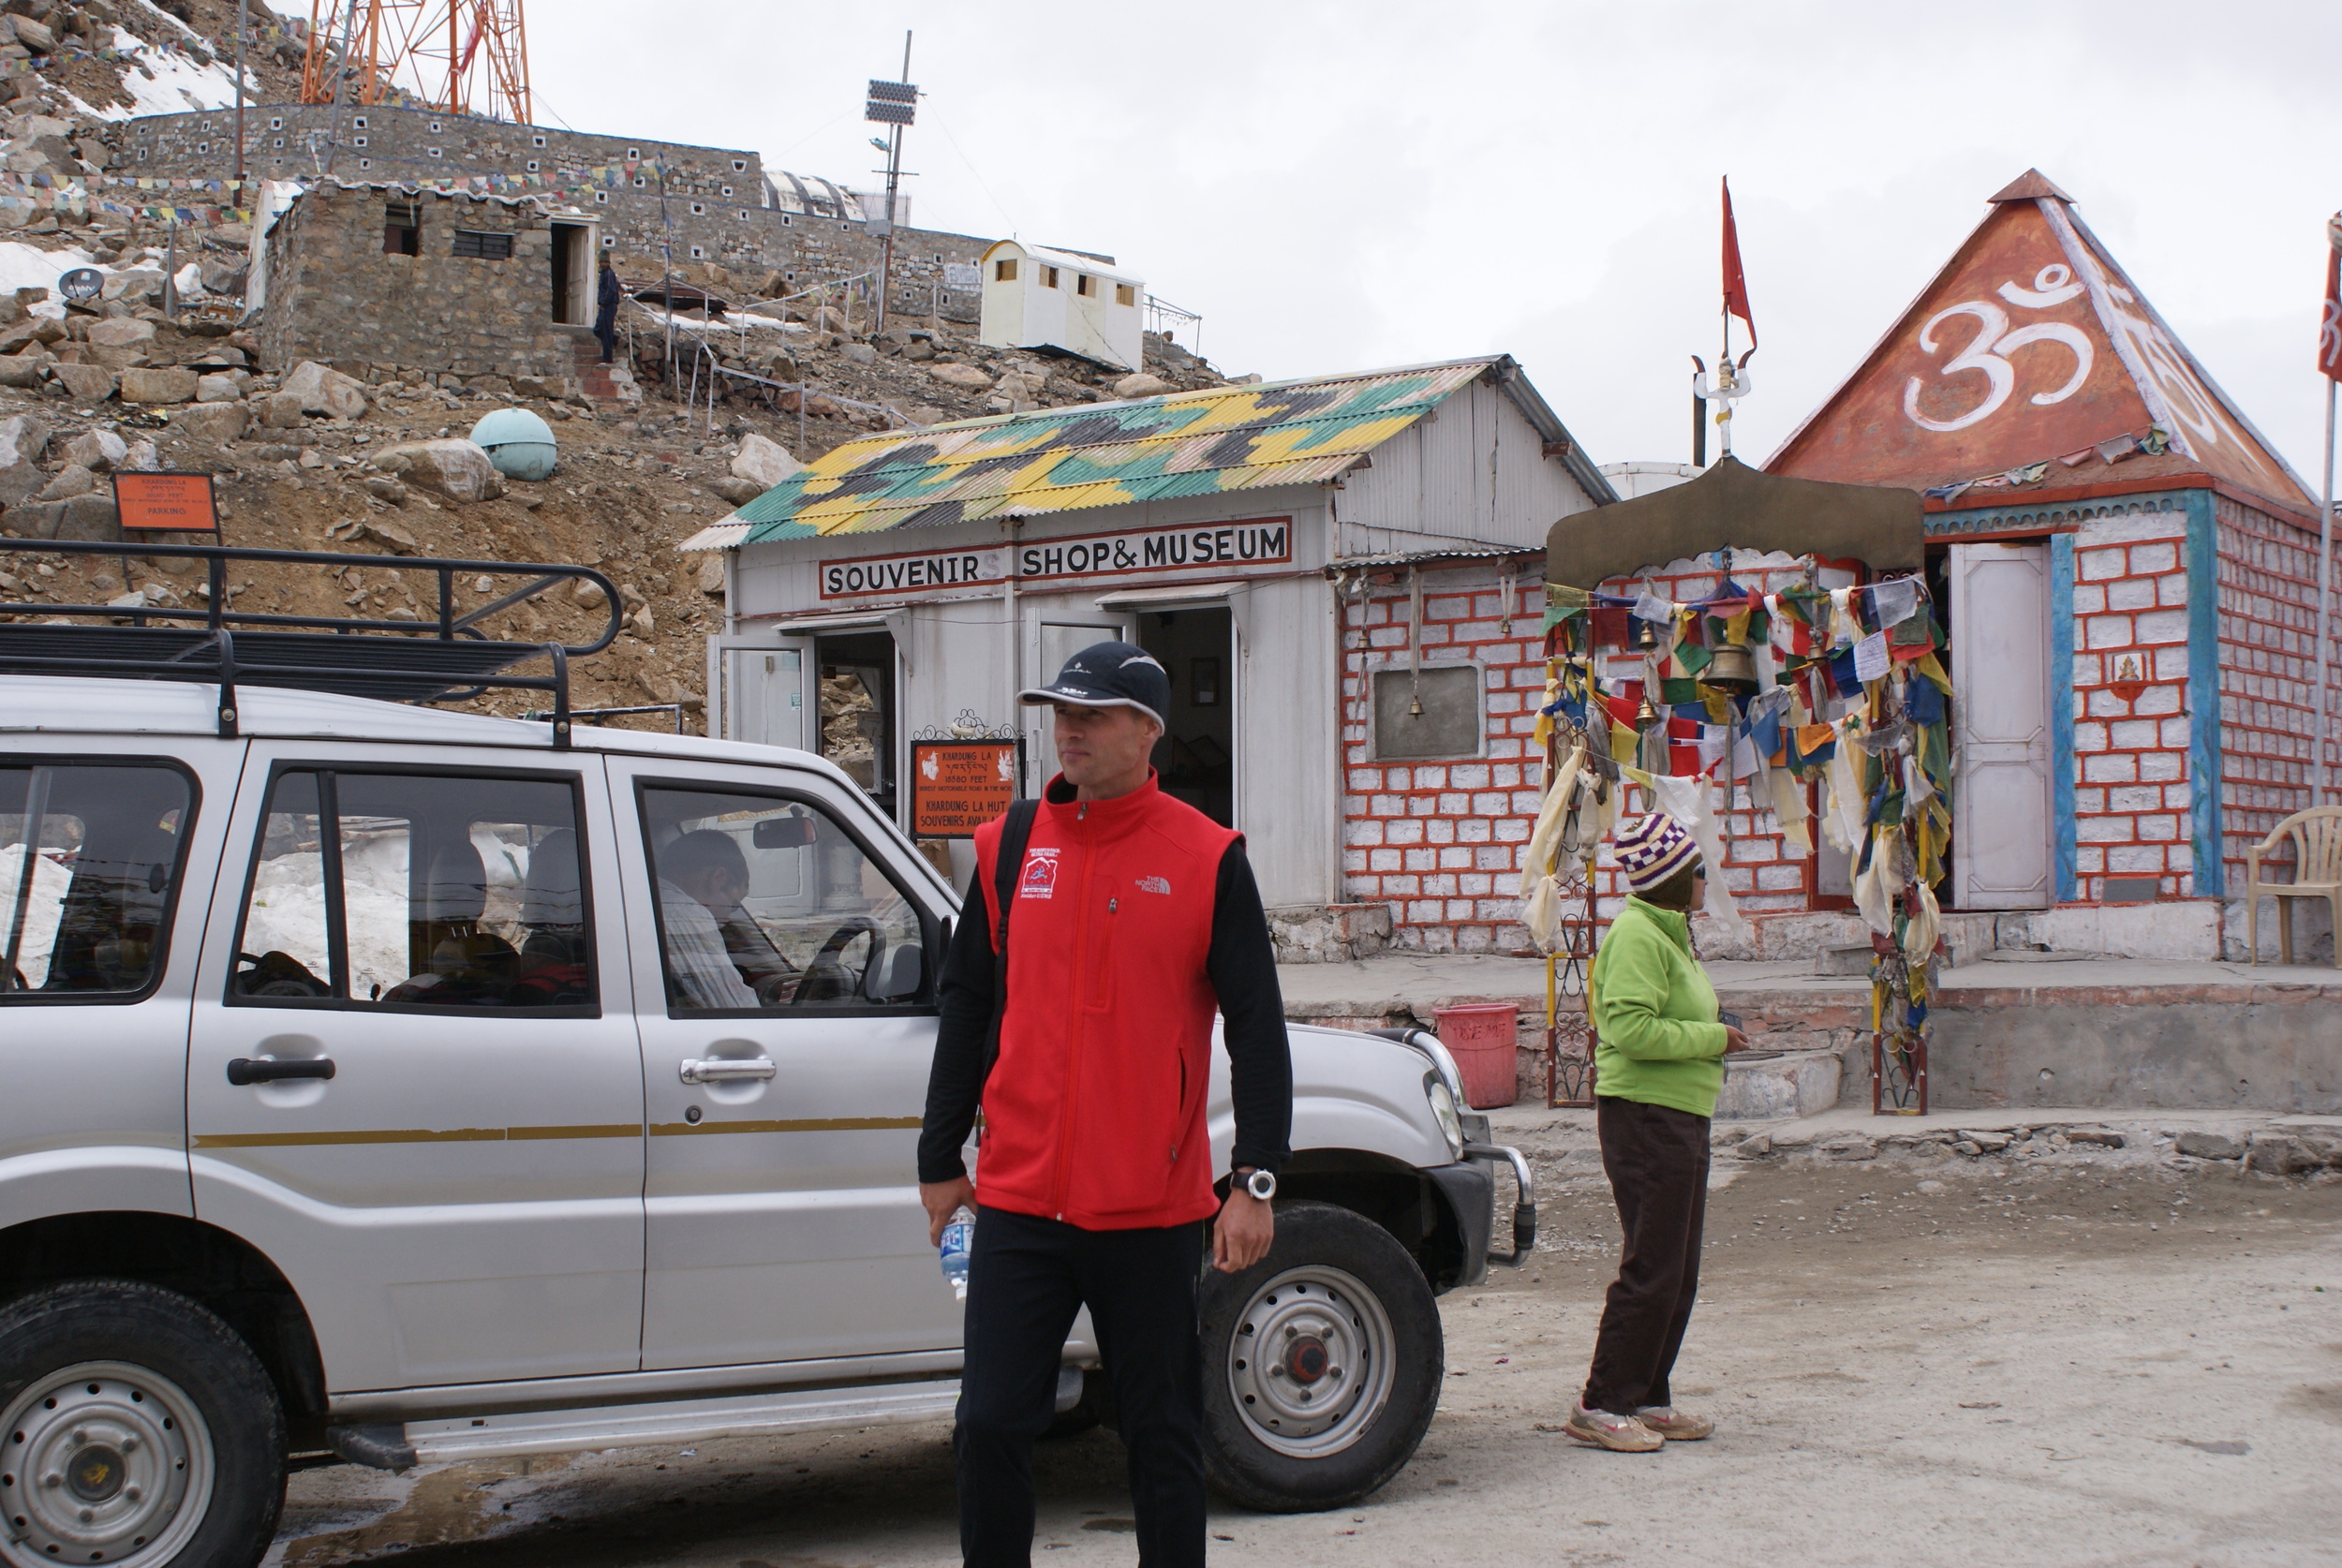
(957, 1237)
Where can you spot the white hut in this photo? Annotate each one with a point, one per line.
(1035, 298)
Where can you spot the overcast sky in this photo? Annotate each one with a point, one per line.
(1338, 186)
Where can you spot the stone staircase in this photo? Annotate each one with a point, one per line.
(605, 385)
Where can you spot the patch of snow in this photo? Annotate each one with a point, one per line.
(178, 83)
(23, 266)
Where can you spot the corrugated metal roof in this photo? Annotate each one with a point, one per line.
(1195, 443)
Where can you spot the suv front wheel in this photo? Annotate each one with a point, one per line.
(136, 1428)
(1322, 1364)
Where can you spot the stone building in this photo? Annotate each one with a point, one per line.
(782, 232)
(472, 285)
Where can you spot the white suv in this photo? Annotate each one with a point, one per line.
(374, 1087)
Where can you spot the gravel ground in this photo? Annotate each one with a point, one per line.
(2082, 1361)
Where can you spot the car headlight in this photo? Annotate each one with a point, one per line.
(1444, 1108)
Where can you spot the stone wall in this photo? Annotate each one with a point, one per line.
(717, 203)
(333, 295)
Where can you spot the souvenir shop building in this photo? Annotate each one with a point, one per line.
(1261, 542)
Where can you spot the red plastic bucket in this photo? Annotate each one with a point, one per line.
(1483, 1037)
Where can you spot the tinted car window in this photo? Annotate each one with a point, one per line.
(767, 904)
(89, 858)
(417, 890)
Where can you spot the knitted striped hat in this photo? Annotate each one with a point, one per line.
(1652, 849)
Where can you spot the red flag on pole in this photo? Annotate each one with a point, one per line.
(1735, 285)
(2329, 325)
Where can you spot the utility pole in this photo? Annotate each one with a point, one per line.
(893, 104)
(242, 10)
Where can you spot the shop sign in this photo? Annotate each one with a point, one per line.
(1219, 547)
(956, 786)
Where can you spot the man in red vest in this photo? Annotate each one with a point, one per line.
(1134, 917)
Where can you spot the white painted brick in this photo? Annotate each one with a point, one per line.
(2162, 626)
(2134, 858)
(2134, 797)
(1438, 887)
(2159, 827)
(1405, 831)
(1384, 860)
(2097, 566)
(2131, 593)
(2107, 631)
(1401, 886)
(2102, 830)
(2160, 765)
(2089, 598)
(2176, 734)
(2131, 529)
(1423, 860)
(2171, 590)
(1493, 859)
(1439, 830)
(1430, 779)
(2146, 559)
(2171, 662)
(2133, 734)
(2089, 858)
(1362, 833)
(1781, 878)
(1476, 884)
(1473, 830)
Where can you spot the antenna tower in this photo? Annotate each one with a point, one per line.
(457, 56)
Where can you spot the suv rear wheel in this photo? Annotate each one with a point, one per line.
(136, 1428)
(1322, 1364)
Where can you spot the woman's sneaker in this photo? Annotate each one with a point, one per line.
(1620, 1434)
(1676, 1425)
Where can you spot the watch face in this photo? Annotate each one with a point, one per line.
(1261, 1185)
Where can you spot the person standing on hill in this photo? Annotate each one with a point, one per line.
(1126, 918)
(1659, 1067)
(608, 291)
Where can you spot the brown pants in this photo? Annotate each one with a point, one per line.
(1657, 1163)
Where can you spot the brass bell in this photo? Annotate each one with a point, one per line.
(1646, 716)
(1732, 669)
(1646, 635)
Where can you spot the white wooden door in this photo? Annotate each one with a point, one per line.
(2001, 855)
(759, 688)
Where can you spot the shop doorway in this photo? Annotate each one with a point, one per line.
(855, 715)
(1196, 758)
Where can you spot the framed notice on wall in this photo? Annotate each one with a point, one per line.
(165, 500)
(956, 786)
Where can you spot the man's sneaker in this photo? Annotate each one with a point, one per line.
(1620, 1434)
(1676, 1425)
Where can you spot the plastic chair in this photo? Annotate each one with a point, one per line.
(2317, 836)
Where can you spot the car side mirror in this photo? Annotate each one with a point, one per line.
(782, 832)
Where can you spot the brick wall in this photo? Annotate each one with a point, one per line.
(2268, 596)
(2131, 789)
(1441, 840)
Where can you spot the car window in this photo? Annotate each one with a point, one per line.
(768, 904)
(417, 890)
(90, 855)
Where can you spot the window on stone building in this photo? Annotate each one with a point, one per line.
(402, 228)
(1086, 285)
(366, 163)
(634, 155)
(434, 127)
(1125, 295)
(699, 209)
(278, 143)
(743, 217)
(739, 166)
(786, 221)
(727, 191)
(202, 146)
(1048, 277)
(475, 245)
(639, 181)
(206, 125)
(1004, 271)
(1435, 714)
(358, 140)
(535, 141)
(358, 124)
(141, 155)
(698, 254)
(532, 166)
(277, 124)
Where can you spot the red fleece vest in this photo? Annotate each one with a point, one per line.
(1095, 1111)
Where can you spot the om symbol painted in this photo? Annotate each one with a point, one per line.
(1987, 351)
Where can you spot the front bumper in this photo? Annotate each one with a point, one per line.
(1470, 1188)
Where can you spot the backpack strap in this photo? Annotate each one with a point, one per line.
(1015, 830)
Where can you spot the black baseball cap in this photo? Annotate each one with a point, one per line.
(1109, 676)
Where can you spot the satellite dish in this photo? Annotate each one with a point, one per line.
(82, 283)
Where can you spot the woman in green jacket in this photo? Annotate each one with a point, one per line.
(1659, 1065)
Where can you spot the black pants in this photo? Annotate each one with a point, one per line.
(1657, 1163)
(1027, 1279)
(606, 329)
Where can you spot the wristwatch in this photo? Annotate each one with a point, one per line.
(1261, 1184)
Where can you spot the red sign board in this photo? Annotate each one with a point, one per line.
(958, 786)
(177, 501)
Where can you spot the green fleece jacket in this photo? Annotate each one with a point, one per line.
(1656, 1038)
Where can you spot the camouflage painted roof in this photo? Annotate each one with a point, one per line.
(1148, 449)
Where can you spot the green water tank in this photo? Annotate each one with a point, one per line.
(518, 442)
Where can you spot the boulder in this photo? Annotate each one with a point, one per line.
(217, 388)
(68, 482)
(125, 331)
(857, 353)
(1141, 384)
(36, 35)
(711, 577)
(133, 285)
(390, 536)
(587, 593)
(454, 469)
(99, 450)
(213, 421)
(281, 412)
(763, 462)
(738, 491)
(21, 370)
(114, 358)
(965, 376)
(384, 488)
(87, 383)
(323, 390)
(2207, 1146)
(167, 384)
(23, 439)
(84, 517)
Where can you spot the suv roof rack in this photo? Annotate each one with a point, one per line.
(447, 658)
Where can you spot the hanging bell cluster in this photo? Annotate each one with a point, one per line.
(1732, 669)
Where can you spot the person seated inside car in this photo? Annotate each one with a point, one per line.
(467, 964)
(718, 956)
(554, 961)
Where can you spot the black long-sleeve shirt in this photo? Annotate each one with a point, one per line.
(1242, 967)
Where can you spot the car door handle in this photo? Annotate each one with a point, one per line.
(260, 1069)
(722, 1070)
